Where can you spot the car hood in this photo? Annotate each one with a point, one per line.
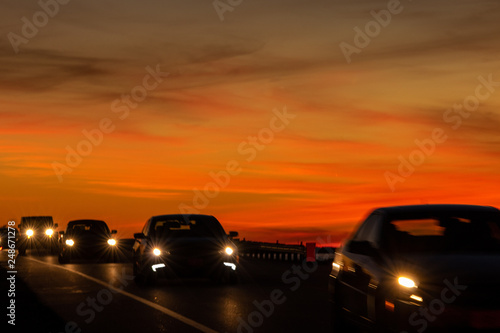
(89, 237)
(193, 245)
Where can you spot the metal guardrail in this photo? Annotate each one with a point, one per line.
(274, 256)
(270, 251)
(276, 251)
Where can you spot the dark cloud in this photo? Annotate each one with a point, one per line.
(41, 70)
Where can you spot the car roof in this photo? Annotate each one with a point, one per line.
(416, 211)
(36, 218)
(36, 221)
(86, 221)
(184, 217)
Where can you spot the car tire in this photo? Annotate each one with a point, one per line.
(144, 278)
(225, 277)
(233, 278)
(138, 276)
(229, 278)
(151, 279)
(340, 323)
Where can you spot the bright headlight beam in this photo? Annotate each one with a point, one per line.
(156, 252)
(29, 233)
(49, 232)
(111, 242)
(406, 282)
(229, 250)
(70, 242)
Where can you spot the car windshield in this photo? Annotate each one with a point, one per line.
(194, 227)
(444, 234)
(37, 222)
(88, 227)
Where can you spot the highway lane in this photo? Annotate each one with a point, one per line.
(101, 297)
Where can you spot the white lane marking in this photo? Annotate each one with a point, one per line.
(144, 301)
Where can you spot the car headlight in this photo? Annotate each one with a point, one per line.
(30, 232)
(157, 252)
(49, 232)
(70, 242)
(111, 242)
(406, 282)
(229, 250)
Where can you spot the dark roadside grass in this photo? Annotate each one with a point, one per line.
(30, 314)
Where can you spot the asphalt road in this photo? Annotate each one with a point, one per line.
(86, 296)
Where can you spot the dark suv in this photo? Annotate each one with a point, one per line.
(184, 245)
(88, 239)
(37, 233)
(5, 232)
(432, 268)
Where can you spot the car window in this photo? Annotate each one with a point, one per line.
(423, 227)
(89, 227)
(145, 230)
(370, 230)
(443, 234)
(193, 227)
(36, 222)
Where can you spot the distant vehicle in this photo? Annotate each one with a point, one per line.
(37, 233)
(184, 246)
(4, 233)
(413, 268)
(87, 239)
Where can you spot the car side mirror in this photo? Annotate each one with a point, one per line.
(61, 233)
(139, 235)
(361, 247)
(56, 226)
(113, 231)
(233, 234)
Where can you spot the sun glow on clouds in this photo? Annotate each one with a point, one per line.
(318, 176)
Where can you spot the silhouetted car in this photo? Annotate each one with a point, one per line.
(87, 239)
(184, 245)
(419, 268)
(5, 232)
(37, 233)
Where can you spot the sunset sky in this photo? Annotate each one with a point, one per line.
(429, 72)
